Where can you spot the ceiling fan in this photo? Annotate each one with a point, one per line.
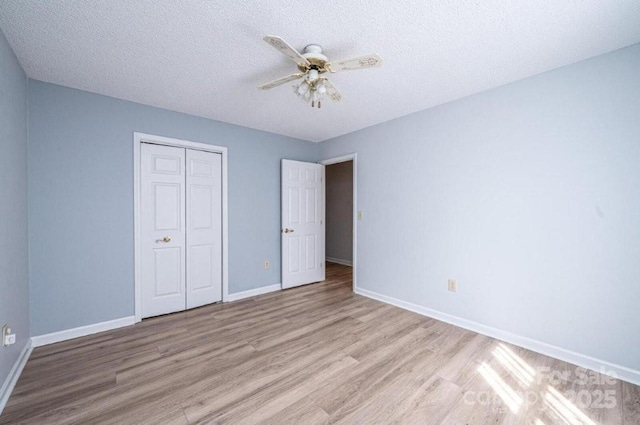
(312, 65)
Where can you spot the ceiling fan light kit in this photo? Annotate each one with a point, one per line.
(312, 64)
(313, 88)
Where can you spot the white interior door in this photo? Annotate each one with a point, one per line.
(204, 228)
(303, 230)
(162, 229)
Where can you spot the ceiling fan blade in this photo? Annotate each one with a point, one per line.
(280, 81)
(366, 61)
(285, 49)
(332, 91)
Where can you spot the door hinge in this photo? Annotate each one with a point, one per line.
(321, 264)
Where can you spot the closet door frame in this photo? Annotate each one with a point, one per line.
(138, 139)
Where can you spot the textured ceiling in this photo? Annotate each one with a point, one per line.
(206, 57)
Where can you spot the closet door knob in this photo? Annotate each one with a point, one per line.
(166, 239)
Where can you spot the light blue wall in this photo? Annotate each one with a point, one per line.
(14, 255)
(528, 195)
(81, 201)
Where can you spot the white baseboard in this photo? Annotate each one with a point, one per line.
(588, 362)
(54, 337)
(16, 370)
(339, 261)
(253, 292)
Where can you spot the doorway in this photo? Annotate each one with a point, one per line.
(180, 225)
(341, 217)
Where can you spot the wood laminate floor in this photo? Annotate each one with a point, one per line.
(317, 354)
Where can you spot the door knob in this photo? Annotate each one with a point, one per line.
(166, 239)
(287, 230)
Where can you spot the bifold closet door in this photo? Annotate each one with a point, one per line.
(181, 229)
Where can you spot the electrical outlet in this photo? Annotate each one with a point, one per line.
(267, 265)
(453, 286)
(7, 337)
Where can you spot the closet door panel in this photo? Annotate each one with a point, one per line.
(163, 231)
(204, 227)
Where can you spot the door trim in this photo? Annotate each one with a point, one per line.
(336, 160)
(138, 139)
